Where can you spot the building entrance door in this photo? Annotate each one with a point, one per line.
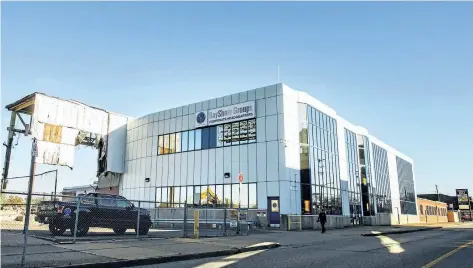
(273, 211)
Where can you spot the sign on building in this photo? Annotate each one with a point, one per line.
(232, 113)
(463, 199)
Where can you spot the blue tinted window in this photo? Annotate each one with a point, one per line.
(184, 141)
(191, 140)
(212, 137)
(205, 138)
(198, 139)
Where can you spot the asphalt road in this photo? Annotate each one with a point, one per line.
(438, 248)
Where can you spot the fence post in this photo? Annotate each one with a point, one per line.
(196, 223)
(138, 220)
(76, 223)
(185, 220)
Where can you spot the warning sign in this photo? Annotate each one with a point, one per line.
(240, 177)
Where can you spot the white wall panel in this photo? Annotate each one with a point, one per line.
(143, 147)
(252, 164)
(184, 168)
(271, 91)
(178, 123)
(160, 127)
(273, 188)
(271, 107)
(251, 94)
(261, 129)
(185, 122)
(213, 104)
(262, 195)
(167, 114)
(191, 109)
(172, 125)
(220, 102)
(149, 146)
(185, 109)
(260, 93)
(144, 131)
(197, 166)
(271, 128)
(167, 124)
(219, 165)
(177, 170)
(205, 105)
(204, 172)
(227, 100)
(198, 107)
(243, 96)
(173, 112)
(179, 111)
(150, 129)
(138, 149)
(260, 108)
(148, 168)
(155, 117)
(165, 170)
(285, 173)
(159, 171)
(212, 166)
(154, 147)
(261, 160)
(152, 179)
(280, 104)
(227, 163)
(281, 127)
(272, 161)
(191, 121)
(244, 161)
(235, 164)
(236, 98)
(171, 170)
(190, 168)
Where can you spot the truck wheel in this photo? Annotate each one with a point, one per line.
(143, 230)
(119, 231)
(82, 228)
(57, 228)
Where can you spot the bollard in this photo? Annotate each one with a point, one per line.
(196, 223)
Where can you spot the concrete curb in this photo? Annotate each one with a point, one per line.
(402, 231)
(184, 257)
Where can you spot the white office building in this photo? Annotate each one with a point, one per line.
(294, 154)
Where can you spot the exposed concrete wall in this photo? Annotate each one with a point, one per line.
(309, 222)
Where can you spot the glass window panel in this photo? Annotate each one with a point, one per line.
(219, 195)
(160, 145)
(172, 143)
(205, 138)
(252, 195)
(212, 137)
(197, 195)
(244, 131)
(212, 198)
(191, 140)
(227, 134)
(244, 195)
(158, 197)
(183, 197)
(176, 196)
(198, 139)
(252, 130)
(309, 113)
(235, 133)
(204, 195)
(166, 144)
(185, 141)
(227, 195)
(317, 117)
(164, 197)
(220, 136)
(190, 195)
(235, 196)
(178, 142)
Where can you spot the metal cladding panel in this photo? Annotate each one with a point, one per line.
(262, 195)
(272, 161)
(55, 154)
(177, 170)
(261, 160)
(212, 166)
(197, 166)
(184, 168)
(219, 165)
(116, 150)
(252, 162)
(190, 168)
(204, 174)
(152, 178)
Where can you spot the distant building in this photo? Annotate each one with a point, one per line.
(69, 193)
(432, 211)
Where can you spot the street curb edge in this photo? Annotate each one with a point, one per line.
(403, 231)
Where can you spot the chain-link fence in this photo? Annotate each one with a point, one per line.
(101, 216)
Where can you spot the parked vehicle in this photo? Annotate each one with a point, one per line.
(95, 210)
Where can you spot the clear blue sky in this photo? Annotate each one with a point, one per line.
(403, 70)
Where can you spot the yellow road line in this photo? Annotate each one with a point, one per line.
(446, 255)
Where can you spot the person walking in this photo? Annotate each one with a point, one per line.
(322, 219)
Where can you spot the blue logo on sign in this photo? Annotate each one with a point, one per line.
(201, 117)
(67, 211)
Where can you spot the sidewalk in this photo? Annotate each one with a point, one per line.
(42, 253)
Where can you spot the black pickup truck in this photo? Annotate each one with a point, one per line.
(95, 210)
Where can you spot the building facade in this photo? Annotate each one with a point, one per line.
(432, 211)
(293, 153)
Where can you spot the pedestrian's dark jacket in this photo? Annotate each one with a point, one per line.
(322, 217)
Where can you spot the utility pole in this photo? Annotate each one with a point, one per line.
(438, 200)
(34, 153)
(9, 145)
